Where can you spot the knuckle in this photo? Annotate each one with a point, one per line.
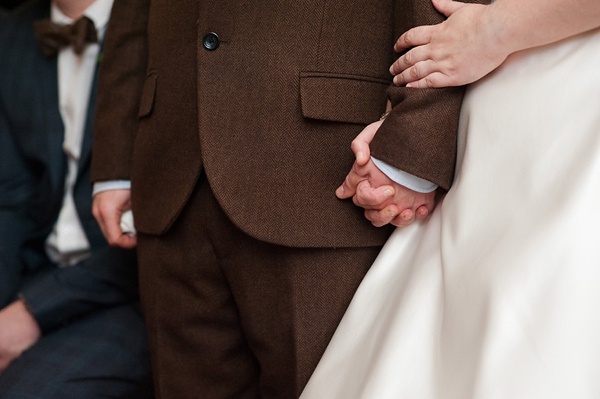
(384, 216)
(103, 208)
(415, 71)
(451, 67)
(364, 197)
(360, 196)
(401, 222)
(347, 182)
(356, 200)
(428, 82)
(409, 37)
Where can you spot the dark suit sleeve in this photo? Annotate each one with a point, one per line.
(15, 190)
(121, 77)
(57, 296)
(419, 135)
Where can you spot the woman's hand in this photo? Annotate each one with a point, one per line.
(460, 50)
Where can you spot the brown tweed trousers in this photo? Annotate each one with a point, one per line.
(247, 258)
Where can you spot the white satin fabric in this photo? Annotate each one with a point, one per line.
(497, 295)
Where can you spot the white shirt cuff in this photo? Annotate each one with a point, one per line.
(405, 179)
(111, 185)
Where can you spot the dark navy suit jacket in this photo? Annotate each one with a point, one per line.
(33, 167)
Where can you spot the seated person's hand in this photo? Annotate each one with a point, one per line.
(384, 200)
(460, 50)
(108, 209)
(18, 332)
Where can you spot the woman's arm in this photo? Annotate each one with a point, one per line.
(475, 39)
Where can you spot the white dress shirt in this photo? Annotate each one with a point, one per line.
(405, 179)
(68, 244)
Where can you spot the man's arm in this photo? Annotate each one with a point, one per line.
(121, 78)
(16, 191)
(57, 296)
(384, 200)
(62, 294)
(18, 332)
(419, 134)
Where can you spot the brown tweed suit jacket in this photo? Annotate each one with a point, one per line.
(269, 115)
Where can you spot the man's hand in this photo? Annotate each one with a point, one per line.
(384, 200)
(18, 332)
(108, 207)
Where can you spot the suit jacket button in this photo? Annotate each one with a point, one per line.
(211, 41)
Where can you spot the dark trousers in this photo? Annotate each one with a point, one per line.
(103, 355)
(233, 317)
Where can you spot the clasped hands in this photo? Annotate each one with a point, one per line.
(447, 54)
(384, 201)
(460, 50)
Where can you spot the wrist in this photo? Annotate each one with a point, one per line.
(496, 24)
(24, 318)
(18, 332)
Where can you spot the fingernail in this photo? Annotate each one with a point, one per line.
(406, 216)
(409, 85)
(340, 191)
(360, 156)
(388, 192)
(392, 67)
(390, 213)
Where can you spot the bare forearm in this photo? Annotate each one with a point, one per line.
(522, 24)
(476, 39)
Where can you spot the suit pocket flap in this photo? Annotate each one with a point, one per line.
(342, 98)
(148, 94)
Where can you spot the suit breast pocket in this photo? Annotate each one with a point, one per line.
(148, 95)
(342, 97)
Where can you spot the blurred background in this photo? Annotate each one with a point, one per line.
(8, 4)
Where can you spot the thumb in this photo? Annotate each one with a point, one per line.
(360, 145)
(447, 7)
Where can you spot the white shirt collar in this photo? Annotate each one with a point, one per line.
(98, 12)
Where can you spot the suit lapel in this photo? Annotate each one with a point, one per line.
(88, 134)
(52, 121)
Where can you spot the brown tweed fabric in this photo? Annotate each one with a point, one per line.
(233, 317)
(243, 289)
(257, 112)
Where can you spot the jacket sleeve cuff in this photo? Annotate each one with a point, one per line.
(405, 179)
(108, 185)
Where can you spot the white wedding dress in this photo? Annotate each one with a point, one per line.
(497, 295)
